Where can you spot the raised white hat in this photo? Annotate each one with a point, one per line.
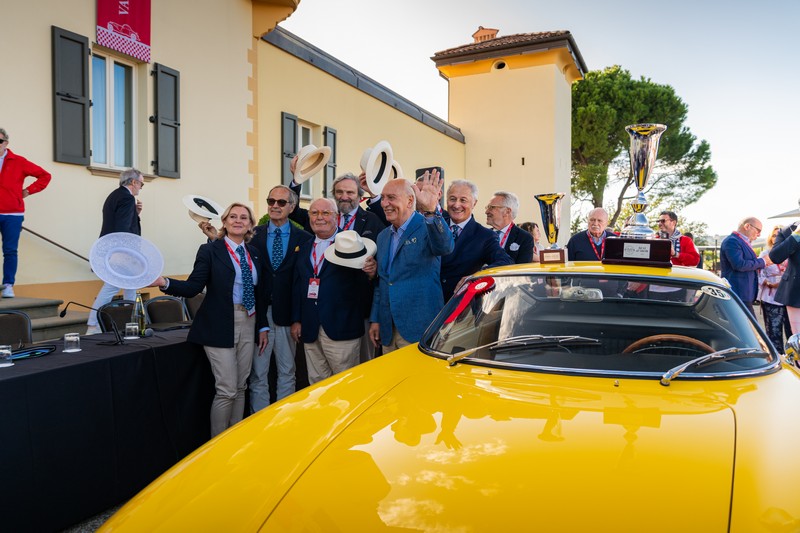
(202, 209)
(377, 165)
(126, 260)
(310, 160)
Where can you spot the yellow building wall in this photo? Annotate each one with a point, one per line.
(521, 112)
(210, 43)
(288, 84)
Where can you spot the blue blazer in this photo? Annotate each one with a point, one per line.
(519, 245)
(119, 213)
(475, 247)
(787, 247)
(338, 305)
(739, 264)
(409, 295)
(214, 271)
(283, 277)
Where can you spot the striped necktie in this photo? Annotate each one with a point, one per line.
(456, 229)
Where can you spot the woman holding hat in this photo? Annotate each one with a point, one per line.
(232, 317)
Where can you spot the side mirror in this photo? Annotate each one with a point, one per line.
(792, 349)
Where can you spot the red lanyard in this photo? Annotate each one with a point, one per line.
(594, 247)
(504, 238)
(314, 261)
(236, 258)
(349, 222)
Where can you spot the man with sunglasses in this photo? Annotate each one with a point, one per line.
(684, 252)
(13, 171)
(280, 240)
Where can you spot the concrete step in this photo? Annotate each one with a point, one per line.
(54, 327)
(34, 307)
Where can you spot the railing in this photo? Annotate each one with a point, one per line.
(55, 244)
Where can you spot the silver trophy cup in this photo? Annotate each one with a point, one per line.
(644, 147)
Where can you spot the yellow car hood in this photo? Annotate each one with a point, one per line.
(469, 451)
(407, 443)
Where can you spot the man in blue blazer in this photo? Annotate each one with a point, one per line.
(740, 264)
(326, 300)
(409, 292)
(120, 215)
(476, 247)
(500, 215)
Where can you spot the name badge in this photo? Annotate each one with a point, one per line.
(313, 288)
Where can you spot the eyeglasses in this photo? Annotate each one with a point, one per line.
(755, 228)
(281, 202)
(320, 213)
(141, 183)
(663, 220)
(3, 141)
(490, 206)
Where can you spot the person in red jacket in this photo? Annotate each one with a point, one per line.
(684, 252)
(13, 171)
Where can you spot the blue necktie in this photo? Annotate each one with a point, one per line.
(248, 294)
(498, 233)
(456, 229)
(277, 249)
(346, 218)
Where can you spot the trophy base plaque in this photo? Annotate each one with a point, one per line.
(640, 252)
(550, 256)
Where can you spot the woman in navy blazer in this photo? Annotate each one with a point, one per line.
(224, 325)
(787, 246)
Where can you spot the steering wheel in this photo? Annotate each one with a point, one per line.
(668, 338)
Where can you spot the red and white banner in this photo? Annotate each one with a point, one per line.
(124, 26)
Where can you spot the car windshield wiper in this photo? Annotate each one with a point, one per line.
(729, 354)
(522, 341)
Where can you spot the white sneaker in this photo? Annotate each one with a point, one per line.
(93, 330)
(8, 291)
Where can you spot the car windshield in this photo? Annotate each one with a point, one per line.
(599, 324)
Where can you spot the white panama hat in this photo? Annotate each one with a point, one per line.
(377, 164)
(350, 250)
(310, 160)
(397, 171)
(126, 260)
(202, 209)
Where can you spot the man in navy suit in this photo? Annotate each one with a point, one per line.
(279, 241)
(476, 247)
(500, 215)
(326, 300)
(409, 292)
(120, 214)
(787, 248)
(740, 264)
(347, 192)
(590, 245)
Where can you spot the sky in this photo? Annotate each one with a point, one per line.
(734, 63)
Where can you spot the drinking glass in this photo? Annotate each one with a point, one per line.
(131, 330)
(72, 342)
(5, 355)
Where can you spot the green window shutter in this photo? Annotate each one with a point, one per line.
(288, 145)
(167, 119)
(329, 173)
(70, 97)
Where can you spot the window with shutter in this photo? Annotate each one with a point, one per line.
(329, 174)
(288, 145)
(167, 122)
(70, 97)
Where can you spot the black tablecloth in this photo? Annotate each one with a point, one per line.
(82, 432)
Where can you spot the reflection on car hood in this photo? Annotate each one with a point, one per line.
(474, 453)
(408, 442)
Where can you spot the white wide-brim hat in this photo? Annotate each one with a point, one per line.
(202, 209)
(377, 165)
(126, 260)
(397, 171)
(350, 250)
(310, 160)
(792, 213)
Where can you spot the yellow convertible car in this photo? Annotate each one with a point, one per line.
(577, 397)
